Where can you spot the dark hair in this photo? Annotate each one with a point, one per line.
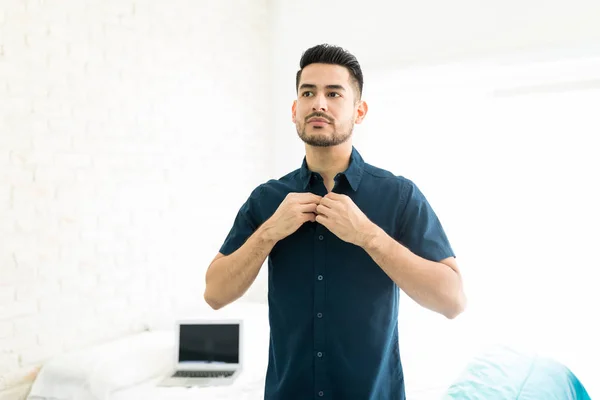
(329, 54)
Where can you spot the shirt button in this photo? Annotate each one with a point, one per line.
(321, 394)
(320, 237)
(319, 354)
(320, 277)
(319, 315)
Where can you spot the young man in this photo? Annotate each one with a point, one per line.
(342, 237)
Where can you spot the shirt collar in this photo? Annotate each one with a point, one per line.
(353, 173)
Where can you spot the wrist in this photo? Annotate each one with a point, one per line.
(267, 234)
(371, 237)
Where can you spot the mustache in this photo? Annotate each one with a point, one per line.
(319, 115)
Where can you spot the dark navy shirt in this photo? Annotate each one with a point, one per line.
(333, 312)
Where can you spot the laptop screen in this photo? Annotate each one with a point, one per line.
(209, 343)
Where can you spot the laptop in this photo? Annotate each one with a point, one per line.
(208, 353)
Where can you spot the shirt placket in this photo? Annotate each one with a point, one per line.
(321, 389)
(319, 316)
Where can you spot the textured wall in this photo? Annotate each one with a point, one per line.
(130, 134)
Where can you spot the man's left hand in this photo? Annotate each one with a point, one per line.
(339, 214)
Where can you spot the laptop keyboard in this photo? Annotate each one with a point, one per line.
(203, 374)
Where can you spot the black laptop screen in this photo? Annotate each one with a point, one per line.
(210, 343)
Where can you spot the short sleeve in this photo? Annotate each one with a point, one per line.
(245, 223)
(420, 228)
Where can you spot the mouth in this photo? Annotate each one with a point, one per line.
(318, 121)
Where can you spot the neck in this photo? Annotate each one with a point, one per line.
(328, 161)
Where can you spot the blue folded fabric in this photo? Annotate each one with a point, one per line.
(506, 374)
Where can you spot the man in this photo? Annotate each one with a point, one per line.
(342, 237)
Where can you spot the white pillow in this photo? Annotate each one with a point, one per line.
(96, 372)
(148, 356)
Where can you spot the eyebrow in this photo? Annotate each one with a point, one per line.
(311, 86)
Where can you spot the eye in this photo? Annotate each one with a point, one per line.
(334, 94)
(307, 94)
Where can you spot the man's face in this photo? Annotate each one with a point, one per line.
(327, 106)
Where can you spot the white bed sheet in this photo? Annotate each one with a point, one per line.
(427, 377)
(130, 368)
(247, 391)
(249, 386)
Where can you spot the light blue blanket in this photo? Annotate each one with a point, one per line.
(506, 374)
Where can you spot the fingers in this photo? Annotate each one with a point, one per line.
(307, 198)
(327, 201)
(310, 217)
(324, 210)
(323, 220)
(308, 208)
(334, 196)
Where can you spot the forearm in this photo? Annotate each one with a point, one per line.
(229, 277)
(431, 284)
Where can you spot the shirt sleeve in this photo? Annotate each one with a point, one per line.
(420, 228)
(245, 224)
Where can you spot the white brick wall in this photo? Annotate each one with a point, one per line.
(130, 134)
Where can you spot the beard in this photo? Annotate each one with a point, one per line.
(323, 139)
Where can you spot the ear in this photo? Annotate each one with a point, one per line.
(361, 112)
(294, 105)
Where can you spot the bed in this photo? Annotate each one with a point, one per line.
(130, 368)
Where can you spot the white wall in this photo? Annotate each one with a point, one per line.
(506, 153)
(130, 134)
(386, 35)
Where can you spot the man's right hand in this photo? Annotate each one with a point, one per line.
(293, 212)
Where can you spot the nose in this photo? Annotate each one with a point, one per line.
(319, 103)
